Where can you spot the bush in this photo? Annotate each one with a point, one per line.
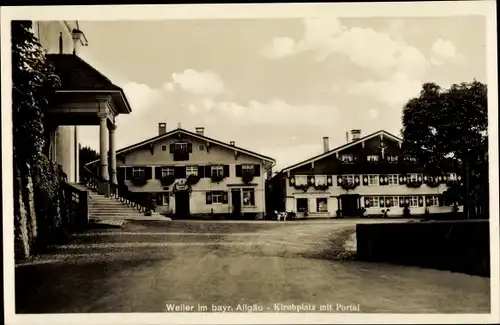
(51, 209)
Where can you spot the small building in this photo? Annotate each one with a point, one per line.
(189, 174)
(369, 174)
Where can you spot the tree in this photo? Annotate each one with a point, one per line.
(446, 129)
(33, 84)
(86, 155)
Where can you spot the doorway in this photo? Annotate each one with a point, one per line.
(236, 202)
(182, 204)
(350, 205)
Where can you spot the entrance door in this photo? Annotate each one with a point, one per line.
(182, 204)
(349, 205)
(236, 202)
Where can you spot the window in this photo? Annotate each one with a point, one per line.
(164, 148)
(372, 158)
(191, 170)
(218, 170)
(167, 171)
(373, 202)
(322, 204)
(247, 168)
(181, 146)
(216, 197)
(346, 159)
(373, 180)
(452, 176)
(391, 201)
(248, 197)
(347, 179)
(302, 205)
(413, 178)
(165, 199)
(392, 159)
(300, 180)
(392, 179)
(433, 201)
(411, 159)
(201, 147)
(138, 172)
(413, 201)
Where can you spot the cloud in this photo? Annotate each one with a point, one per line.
(365, 47)
(141, 96)
(396, 90)
(279, 47)
(271, 113)
(444, 49)
(199, 83)
(168, 86)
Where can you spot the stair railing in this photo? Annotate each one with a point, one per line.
(120, 192)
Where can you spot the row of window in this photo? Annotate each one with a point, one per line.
(392, 179)
(401, 201)
(377, 202)
(202, 171)
(246, 197)
(349, 158)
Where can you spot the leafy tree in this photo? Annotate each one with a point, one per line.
(446, 129)
(86, 155)
(33, 84)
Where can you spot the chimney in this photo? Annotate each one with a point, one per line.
(60, 43)
(355, 135)
(347, 137)
(232, 143)
(200, 130)
(162, 128)
(326, 145)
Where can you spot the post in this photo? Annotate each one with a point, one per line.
(466, 196)
(103, 151)
(112, 154)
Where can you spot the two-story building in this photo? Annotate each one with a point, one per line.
(369, 172)
(190, 174)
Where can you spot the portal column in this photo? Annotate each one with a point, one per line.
(103, 151)
(112, 154)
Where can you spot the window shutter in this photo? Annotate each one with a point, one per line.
(401, 201)
(365, 180)
(120, 174)
(201, 171)
(208, 171)
(128, 172)
(172, 148)
(148, 172)
(381, 201)
(226, 170)
(224, 197)
(256, 170)
(190, 147)
(209, 197)
(239, 170)
(420, 201)
(339, 180)
(157, 172)
(180, 172)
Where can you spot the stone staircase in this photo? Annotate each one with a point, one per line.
(110, 211)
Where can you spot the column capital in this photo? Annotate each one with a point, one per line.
(102, 115)
(112, 127)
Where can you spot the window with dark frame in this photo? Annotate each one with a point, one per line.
(322, 204)
(302, 205)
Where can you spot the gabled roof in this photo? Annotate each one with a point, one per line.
(78, 76)
(345, 146)
(192, 134)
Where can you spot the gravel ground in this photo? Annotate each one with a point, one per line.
(144, 266)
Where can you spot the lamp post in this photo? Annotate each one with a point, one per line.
(77, 37)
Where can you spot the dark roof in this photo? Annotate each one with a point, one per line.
(170, 133)
(344, 146)
(76, 74)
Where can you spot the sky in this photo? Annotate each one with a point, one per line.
(278, 86)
